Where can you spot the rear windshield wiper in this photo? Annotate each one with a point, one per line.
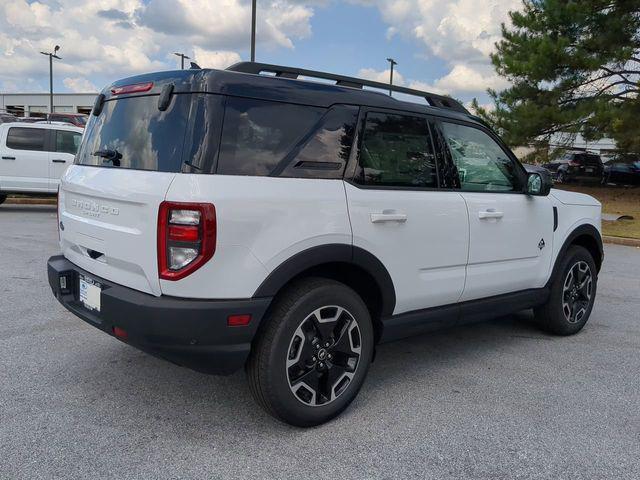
(108, 155)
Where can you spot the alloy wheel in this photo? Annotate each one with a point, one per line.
(323, 355)
(577, 292)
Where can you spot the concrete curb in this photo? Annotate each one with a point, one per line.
(629, 242)
(30, 201)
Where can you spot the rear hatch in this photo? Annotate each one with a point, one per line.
(109, 198)
(590, 164)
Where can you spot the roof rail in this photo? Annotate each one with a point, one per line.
(432, 99)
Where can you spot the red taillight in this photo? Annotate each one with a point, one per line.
(238, 320)
(134, 88)
(180, 233)
(574, 163)
(120, 333)
(186, 238)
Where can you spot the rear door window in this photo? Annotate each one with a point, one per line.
(131, 132)
(258, 134)
(67, 142)
(19, 138)
(396, 151)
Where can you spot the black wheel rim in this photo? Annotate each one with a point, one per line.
(577, 292)
(323, 355)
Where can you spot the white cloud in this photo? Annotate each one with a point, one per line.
(458, 30)
(381, 76)
(103, 40)
(465, 78)
(462, 33)
(215, 59)
(79, 85)
(461, 79)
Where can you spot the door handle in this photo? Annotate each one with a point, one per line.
(58, 160)
(8, 158)
(489, 213)
(388, 216)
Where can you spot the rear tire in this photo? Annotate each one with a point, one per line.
(561, 177)
(312, 352)
(2, 198)
(572, 295)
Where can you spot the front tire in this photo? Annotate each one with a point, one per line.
(572, 295)
(312, 352)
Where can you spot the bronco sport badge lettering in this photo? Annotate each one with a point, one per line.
(93, 209)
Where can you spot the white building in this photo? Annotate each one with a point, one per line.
(36, 104)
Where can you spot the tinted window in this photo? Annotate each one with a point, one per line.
(590, 160)
(396, 150)
(138, 135)
(203, 133)
(257, 134)
(481, 163)
(26, 138)
(67, 142)
(324, 152)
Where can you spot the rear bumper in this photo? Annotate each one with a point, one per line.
(191, 333)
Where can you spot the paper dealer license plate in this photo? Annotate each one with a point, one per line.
(90, 293)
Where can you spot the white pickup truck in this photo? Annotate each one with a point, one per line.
(33, 157)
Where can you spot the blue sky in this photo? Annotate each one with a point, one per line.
(347, 38)
(442, 46)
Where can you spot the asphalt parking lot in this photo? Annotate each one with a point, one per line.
(497, 400)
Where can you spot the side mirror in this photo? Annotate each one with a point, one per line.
(538, 184)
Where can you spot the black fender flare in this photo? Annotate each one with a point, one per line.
(331, 253)
(585, 229)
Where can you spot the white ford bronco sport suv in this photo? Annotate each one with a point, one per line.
(251, 217)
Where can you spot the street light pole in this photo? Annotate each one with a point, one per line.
(51, 57)
(253, 30)
(182, 57)
(392, 62)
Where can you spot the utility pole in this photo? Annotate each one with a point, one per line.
(51, 57)
(253, 30)
(392, 62)
(182, 57)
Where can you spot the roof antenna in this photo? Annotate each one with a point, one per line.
(194, 66)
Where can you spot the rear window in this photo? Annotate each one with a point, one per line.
(258, 134)
(19, 138)
(591, 160)
(131, 132)
(67, 142)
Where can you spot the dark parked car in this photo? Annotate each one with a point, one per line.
(31, 119)
(577, 167)
(77, 119)
(7, 117)
(623, 170)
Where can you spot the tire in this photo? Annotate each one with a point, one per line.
(292, 373)
(568, 309)
(2, 198)
(561, 177)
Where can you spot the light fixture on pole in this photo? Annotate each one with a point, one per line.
(253, 30)
(392, 62)
(182, 57)
(51, 57)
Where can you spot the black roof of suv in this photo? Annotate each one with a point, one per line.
(293, 85)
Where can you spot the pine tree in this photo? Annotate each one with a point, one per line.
(574, 67)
